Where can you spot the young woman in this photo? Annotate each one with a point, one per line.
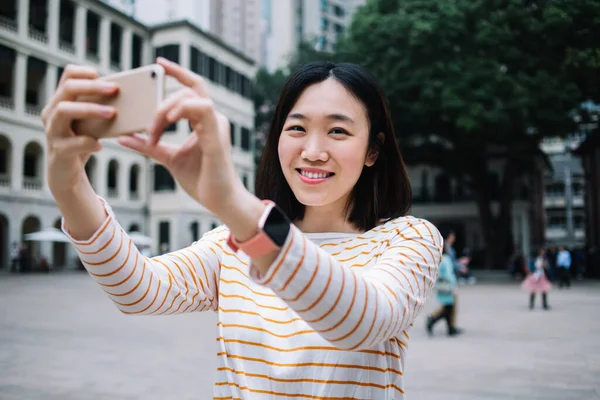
(315, 287)
(537, 281)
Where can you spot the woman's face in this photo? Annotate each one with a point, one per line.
(324, 144)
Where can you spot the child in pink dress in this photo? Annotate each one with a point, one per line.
(537, 281)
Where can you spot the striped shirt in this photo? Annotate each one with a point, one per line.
(328, 320)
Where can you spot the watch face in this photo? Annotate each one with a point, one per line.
(277, 226)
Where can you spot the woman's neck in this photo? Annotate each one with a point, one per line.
(328, 218)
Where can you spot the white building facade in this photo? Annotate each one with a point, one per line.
(288, 22)
(34, 48)
(564, 193)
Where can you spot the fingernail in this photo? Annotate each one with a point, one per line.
(107, 111)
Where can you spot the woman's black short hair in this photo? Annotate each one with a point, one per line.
(383, 190)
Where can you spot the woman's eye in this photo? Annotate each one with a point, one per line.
(296, 128)
(339, 131)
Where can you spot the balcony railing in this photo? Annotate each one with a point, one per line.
(8, 24)
(33, 109)
(32, 183)
(38, 36)
(94, 58)
(67, 47)
(113, 193)
(7, 103)
(134, 196)
(4, 180)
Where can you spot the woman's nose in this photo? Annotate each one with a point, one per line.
(314, 150)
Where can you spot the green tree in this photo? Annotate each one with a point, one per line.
(474, 82)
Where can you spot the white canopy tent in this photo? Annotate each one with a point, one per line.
(48, 235)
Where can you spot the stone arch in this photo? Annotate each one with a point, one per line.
(91, 169)
(5, 245)
(134, 182)
(59, 249)
(33, 166)
(31, 223)
(6, 155)
(112, 178)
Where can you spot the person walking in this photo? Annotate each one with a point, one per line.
(315, 279)
(446, 292)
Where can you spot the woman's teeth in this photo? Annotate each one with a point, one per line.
(315, 175)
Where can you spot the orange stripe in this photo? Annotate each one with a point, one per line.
(150, 305)
(259, 315)
(166, 296)
(349, 309)
(124, 280)
(119, 268)
(105, 244)
(136, 286)
(300, 380)
(145, 294)
(280, 263)
(308, 396)
(253, 328)
(305, 348)
(309, 283)
(232, 268)
(300, 261)
(234, 282)
(375, 314)
(325, 290)
(237, 296)
(91, 240)
(109, 259)
(362, 315)
(309, 364)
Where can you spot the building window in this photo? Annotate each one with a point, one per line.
(116, 34)
(197, 63)
(164, 237)
(163, 181)
(232, 129)
(171, 128)
(195, 230)
(245, 180)
(339, 11)
(246, 87)
(136, 51)
(245, 142)
(212, 69)
(339, 29)
(169, 51)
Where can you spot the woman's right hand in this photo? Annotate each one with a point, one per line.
(67, 153)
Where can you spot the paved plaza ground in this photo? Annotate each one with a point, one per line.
(61, 339)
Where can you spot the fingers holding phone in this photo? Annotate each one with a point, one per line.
(67, 153)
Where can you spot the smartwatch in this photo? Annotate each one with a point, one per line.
(273, 229)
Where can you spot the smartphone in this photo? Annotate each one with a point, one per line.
(141, 91)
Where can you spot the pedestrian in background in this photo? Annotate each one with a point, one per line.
(537, 282)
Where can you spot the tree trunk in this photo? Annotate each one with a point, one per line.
(496, 229)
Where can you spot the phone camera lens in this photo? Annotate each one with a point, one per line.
(153, 74)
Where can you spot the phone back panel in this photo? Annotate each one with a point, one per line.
(140, 92)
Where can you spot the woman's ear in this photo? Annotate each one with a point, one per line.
(374, 153)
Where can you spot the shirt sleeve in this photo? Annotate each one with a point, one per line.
(179, 282)
(356, 308)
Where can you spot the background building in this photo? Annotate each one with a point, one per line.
(564, 193)
(288, 22)
(236, 22)
(35, 47)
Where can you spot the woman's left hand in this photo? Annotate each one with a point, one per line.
(202, 165)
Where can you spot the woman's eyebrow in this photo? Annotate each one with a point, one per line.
(336, 117)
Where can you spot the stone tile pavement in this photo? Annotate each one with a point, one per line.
(61, 339)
